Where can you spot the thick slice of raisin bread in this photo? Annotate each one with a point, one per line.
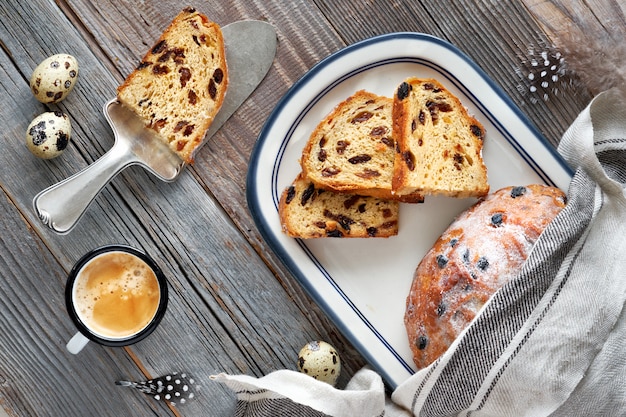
(483, 249)
(352, 149)
(439, 145)
(309, 212)
(179, 86)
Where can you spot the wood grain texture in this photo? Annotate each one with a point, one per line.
(214, 272)
(233, 306)
(588, 18)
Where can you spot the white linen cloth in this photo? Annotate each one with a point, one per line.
(552, 342)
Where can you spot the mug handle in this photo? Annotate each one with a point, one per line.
(77, 343)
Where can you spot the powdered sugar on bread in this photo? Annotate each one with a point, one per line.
(483, 249)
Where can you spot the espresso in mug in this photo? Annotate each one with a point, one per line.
(116, 295)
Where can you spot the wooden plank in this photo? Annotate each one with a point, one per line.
(227, 311)
(594, 18)
(356, 21)
(35, 362)
(33, 321)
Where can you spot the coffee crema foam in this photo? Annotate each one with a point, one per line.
(116, 295)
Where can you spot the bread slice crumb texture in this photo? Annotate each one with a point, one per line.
(439, 145)
(180, 84)
(352, 148)
(309, 212)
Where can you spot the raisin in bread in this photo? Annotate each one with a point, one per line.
(309, 212)
(179, 86)
(439, 145)
(481, 250)
(352, 149)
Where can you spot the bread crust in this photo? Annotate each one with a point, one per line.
(438, 144)
(483, 249)
(180, 84)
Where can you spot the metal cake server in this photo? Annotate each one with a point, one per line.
(250, 49)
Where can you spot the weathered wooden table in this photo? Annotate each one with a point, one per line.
(233, 306)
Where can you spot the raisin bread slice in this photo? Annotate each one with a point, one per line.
(179, 86)
(309, 212)
(439, 145)
(352, 149)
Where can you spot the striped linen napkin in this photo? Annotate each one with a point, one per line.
(552, 342)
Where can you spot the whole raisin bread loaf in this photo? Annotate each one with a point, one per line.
(483, 249)
(352, 149)
(309, 212)
(439, 146)
(179, 86)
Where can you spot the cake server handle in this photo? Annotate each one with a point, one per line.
(61, 205)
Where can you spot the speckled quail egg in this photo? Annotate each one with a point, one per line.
(48, 134)
(54, 78)
(321, 361)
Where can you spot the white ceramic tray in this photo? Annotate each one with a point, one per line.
(362, 284)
